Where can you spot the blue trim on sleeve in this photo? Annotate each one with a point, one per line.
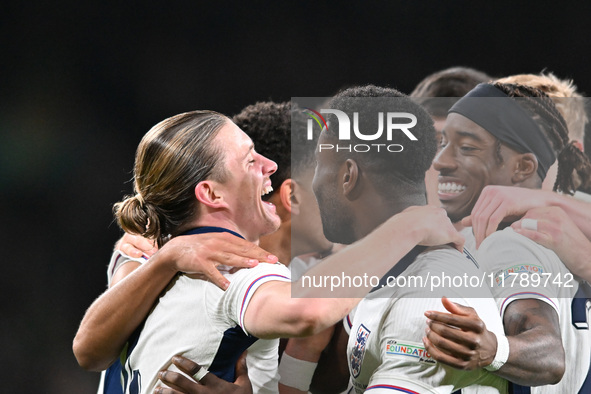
(391, 387)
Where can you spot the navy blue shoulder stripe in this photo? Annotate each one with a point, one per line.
(470, 257)
(399, 268)
(233, 344)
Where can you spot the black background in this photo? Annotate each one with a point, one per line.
(81, 82)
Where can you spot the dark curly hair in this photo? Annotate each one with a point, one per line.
(303, 158)
(388, 168)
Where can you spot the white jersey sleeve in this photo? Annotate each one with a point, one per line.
(301, 264)
(119, 259)
(520, 268)
(385, 351)
(524, 269)
(244, 284)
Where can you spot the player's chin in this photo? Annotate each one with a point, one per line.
(276, 222)
(272, 223)
(455, 212)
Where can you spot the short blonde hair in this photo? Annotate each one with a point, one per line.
(563, 92)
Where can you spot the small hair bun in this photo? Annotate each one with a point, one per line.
(140, 200)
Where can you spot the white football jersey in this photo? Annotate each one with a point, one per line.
(198, 320)
(385, 350)
(523, 269)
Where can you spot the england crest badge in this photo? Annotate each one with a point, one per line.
(358, 350)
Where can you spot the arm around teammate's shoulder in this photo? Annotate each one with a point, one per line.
(302, 308)
(461, 339)
(532, 328)
(113, 317)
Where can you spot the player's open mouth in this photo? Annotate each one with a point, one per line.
(269, 207)
(266, 190)
(451, 188)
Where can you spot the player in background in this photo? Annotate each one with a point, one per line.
(481, 148)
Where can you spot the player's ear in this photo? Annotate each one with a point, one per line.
(526, 166)
(350, 178)
(285, 192)
(210, 194)
(295, 197)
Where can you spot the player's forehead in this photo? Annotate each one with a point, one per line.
(458, 126)
(234, 142)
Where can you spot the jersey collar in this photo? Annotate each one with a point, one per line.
(210, 229)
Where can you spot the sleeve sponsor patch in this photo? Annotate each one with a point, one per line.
(409, 351)
(503, 275)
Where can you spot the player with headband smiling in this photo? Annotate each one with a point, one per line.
(502, 134)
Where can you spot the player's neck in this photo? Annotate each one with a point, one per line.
(279, 243)
(220, 219)
(377, 210)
